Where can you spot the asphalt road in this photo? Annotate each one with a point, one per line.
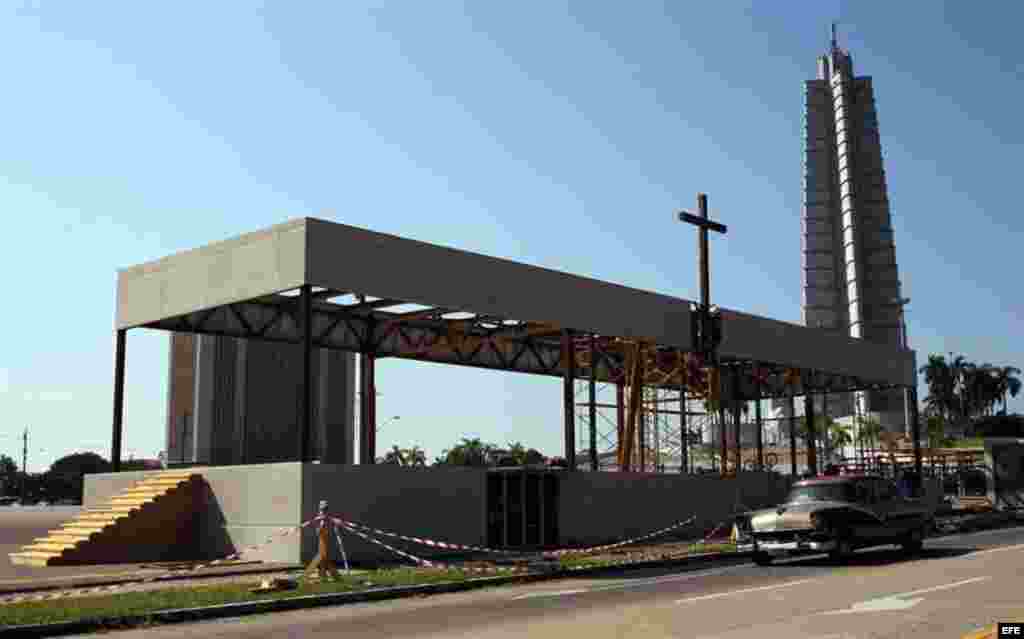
(955, 586)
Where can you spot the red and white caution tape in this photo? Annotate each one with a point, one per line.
(401, 553)
(433, 543)
(587, 551)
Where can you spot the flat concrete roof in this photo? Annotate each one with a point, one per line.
(183, 291)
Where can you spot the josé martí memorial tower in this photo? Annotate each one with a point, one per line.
(850, 282)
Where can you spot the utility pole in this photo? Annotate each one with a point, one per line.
(706, 332)
(24, 466)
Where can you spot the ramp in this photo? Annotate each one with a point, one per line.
(151, 521)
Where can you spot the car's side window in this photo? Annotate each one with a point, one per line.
(862, 491)
(886, 490)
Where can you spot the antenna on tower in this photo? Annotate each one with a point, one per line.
(835, 44)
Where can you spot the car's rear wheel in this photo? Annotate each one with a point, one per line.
(762, 558)
(843, 550)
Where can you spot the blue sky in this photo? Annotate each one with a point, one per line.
(563, 135)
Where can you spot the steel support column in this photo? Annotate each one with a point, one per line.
(737, 418)
(620, 418)
(569, 402)
(592, 405)
(119, 357)
(367, 410)
(792, 434)
(307, 373)
(642, 436)
(812, 435)
(684, 437)
(759, 435)
(723, 437)
(826, 436)
(915, 426)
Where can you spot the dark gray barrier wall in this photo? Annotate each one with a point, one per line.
(247, 504)
(598, 508)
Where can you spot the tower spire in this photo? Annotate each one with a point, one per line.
(835, 43)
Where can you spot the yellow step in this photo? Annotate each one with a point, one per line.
(147, 491)
(85, 528)
(56, 547)
(62, 538)
(166, 484)
(32, 558)
(132, 500)
(110, 515)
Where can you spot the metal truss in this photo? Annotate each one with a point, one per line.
(452, 336)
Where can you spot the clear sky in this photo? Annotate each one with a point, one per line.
(559, 135)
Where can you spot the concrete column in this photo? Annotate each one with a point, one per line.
(203, 410)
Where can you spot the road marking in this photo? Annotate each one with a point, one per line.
(983, 552)
(899, 601)
(955, 584)
(557, 593)
(745, 590)
(878, 605)
(623, 585)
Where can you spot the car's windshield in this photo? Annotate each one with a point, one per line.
(822, 492)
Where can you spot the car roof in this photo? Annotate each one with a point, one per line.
(833, 479)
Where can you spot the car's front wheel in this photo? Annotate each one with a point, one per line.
(914, 541)
(762, 558)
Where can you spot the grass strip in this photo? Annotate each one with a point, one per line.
(140, 603)
(584, 561)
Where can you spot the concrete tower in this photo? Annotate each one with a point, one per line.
(851, 283)
(233, 401)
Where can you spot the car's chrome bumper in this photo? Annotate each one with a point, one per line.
(778, 547)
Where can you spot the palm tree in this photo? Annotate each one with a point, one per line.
(394, 457)
(1008, 383)
(468, 452)
(941, 385)
(839, 436)
(868, 432)
(414, 456)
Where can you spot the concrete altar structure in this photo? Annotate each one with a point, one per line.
(321, 286)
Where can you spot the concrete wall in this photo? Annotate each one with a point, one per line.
(247, 504)
(439, 503)
(245, 399)
(597, 508)
(242, 268)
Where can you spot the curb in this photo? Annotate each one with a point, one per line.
(115, 581)
(377, 594)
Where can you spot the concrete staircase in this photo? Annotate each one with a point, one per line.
(144, 523)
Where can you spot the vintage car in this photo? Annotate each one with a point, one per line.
(837, 515)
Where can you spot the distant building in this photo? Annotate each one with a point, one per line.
(851, 281)
(234, 401)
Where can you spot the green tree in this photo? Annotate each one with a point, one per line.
(7, 467)
(468, 452)
(65, 478)
(1007, 383)
(935, 427)
(839, 435)
(405, 457)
